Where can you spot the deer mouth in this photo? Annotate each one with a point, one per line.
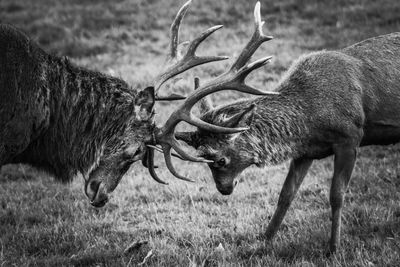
(226, 191)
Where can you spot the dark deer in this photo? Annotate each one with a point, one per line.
(328, 103)
(67, 119)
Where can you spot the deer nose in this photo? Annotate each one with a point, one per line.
(91, 189)
(96, 192)
(226, 189)
(100, 200)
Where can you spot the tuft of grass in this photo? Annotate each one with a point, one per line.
(43, 223)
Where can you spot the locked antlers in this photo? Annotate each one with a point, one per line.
(233, 79)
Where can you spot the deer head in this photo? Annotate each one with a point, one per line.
(124, 144)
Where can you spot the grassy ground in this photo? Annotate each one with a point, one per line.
(43, 223)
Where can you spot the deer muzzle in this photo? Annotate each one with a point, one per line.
(97, 193)
(226, 188)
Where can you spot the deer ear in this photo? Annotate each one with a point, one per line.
(243, 118)
(144, 103)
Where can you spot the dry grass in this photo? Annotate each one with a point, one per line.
(43, 223)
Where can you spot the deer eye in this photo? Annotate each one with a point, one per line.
(221, 162)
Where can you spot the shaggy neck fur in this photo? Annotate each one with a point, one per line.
(87, 109)
(277, 129)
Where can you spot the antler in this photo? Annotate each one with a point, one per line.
(256, 40)
(205, 103)
(177, 63)
(233, 79)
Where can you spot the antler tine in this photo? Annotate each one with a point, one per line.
(166, 150)
(205, 103)
(161, 151)
(171, 97)
(191, 51)
(150, 166)
(213, 128)
(174, 31)
(243, 72)
(170, 166)
(256, 40)
(176, 146)
(189, 60)
(177, 64)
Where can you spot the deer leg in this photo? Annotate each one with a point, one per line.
(345, 158)
(297, 171)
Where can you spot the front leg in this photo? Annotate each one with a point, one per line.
(297, 171)
(345, 157)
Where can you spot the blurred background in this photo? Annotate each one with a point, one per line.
(44, 223)
(129, 37)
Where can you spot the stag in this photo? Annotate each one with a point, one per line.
(328, 103)
(67, 119)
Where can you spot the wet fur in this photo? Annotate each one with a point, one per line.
(58, 116)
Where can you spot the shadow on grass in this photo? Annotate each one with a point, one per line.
(17, 173)
(385, 230)
(311, 249)
(102, 258)
(63, 247)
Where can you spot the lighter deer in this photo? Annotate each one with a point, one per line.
(67, 119)
(328, 103)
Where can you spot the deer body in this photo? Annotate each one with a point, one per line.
(329, 102)
(325, 98)
(64, 118)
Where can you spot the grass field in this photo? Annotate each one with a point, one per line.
(44, 223)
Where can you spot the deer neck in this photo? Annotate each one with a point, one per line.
(87, 108)
(278, 130)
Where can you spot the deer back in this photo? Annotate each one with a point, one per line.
(24, 95)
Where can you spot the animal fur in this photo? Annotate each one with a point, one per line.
(58, 116)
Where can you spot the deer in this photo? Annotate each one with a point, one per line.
(327, 103)
(66, 119)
